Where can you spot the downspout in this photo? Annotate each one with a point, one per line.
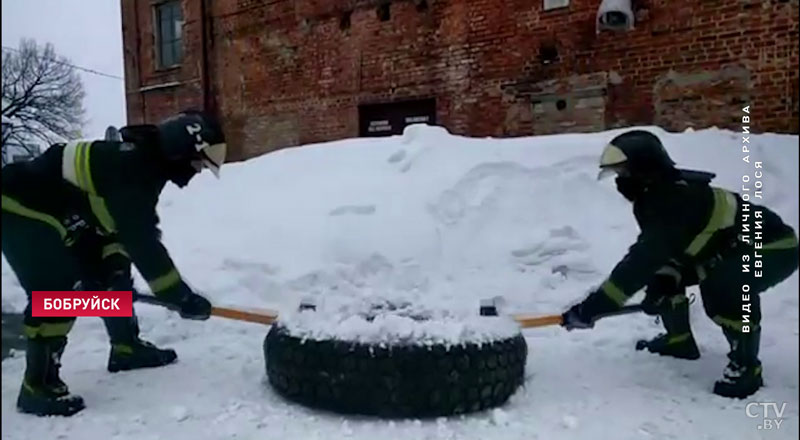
(207, 98)
(139, 62)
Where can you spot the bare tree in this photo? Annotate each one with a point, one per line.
(42, 98)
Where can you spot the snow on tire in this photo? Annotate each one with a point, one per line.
(397, 377)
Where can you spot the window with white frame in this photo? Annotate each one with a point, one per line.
(169, 33)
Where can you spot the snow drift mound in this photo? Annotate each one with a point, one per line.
(443, 221)
(451, 219)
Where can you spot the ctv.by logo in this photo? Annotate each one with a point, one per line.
(766, 409)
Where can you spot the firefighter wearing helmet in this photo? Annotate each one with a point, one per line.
(78, 216)
(690, 234)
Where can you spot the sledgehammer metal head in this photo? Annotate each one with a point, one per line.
(307, 303)
(488, 307)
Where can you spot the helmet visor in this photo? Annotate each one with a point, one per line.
(612, 155)
(619, 170)
(213, 157)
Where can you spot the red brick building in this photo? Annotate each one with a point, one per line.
(289, 72)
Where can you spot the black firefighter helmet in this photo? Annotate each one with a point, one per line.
(638, 154)
(191, 141)
(639, 160)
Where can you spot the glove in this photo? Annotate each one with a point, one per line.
(576, 318)
(194, 306)
(652, 303)
(188, 304)
(665, 283)
(584, 314)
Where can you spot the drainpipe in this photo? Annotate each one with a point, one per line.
(139, 62)
(207, 98)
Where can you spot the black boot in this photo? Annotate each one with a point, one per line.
(678, 341)
(128, 352)
(43, 393)
(742, 376)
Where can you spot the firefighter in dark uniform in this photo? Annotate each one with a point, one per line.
(78, 216)
(691, 234)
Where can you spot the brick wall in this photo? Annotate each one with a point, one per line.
(288, 72)
(152, 94)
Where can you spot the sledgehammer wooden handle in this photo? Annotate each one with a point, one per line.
(530, 321)
(258, 316)
(266, 317)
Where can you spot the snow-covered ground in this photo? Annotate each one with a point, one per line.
(443, 220)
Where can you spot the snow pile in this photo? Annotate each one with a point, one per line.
(396, 320)
(439, 222)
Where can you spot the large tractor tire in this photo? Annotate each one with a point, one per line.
(403, 380)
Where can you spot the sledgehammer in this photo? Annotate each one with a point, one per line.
(259, 316)
(267, 317)
(489, 308)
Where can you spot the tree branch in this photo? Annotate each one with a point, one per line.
(42, 96)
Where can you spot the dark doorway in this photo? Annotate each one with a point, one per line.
(391, 118)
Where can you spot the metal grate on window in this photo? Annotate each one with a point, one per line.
(169, 30)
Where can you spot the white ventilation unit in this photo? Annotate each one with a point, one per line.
(615, 15)
(555, 4)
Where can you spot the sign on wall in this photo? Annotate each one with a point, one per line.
(391, 118)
